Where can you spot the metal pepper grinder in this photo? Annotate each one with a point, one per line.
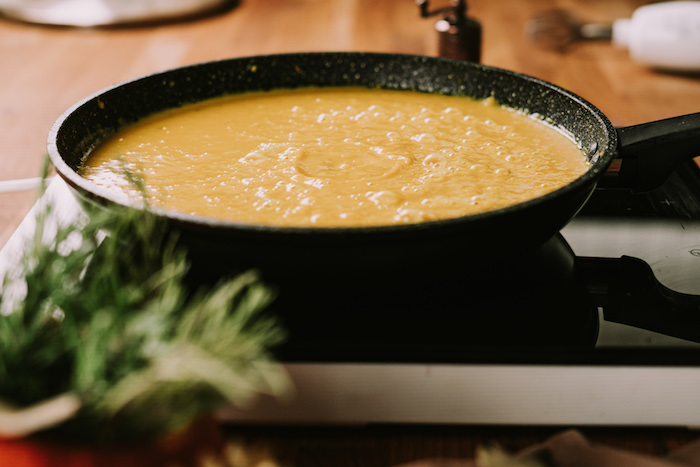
(459, 36)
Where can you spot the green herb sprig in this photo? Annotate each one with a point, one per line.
(100, 310)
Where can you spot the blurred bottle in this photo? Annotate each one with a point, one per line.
(663, 35)
(459, 35)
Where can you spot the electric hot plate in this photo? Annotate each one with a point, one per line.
(598, 326)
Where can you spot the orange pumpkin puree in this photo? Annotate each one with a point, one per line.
(330, 157)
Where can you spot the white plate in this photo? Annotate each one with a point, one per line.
(90, 13)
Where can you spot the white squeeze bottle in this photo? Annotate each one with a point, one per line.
(662, 35)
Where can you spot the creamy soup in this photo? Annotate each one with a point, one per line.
(329, 157)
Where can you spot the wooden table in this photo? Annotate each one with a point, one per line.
(47, 69)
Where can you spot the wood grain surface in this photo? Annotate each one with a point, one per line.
(45, 70)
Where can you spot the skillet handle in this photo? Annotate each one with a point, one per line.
(650, 152)
(629, 293)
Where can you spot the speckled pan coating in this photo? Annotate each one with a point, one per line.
(499, 233)
(131, 101)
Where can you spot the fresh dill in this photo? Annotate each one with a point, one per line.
(100, 310)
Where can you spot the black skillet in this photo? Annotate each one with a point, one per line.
(649, 153)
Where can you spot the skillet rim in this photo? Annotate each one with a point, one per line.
(599, 158)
